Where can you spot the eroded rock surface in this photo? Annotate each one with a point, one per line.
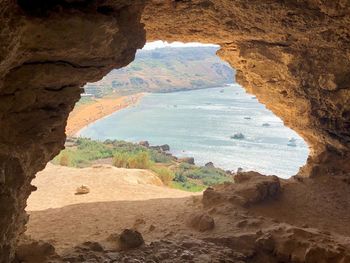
(47, 52)
(249, 188)
(293, 55)
(201, 222)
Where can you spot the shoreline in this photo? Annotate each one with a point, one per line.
(83, 116)
(87, 114)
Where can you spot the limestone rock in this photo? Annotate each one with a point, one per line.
(144, 143)
(209, 165)
(201, 222)
(82, 190)
(249, 188)
(300, 75)
(94, 246)
(130, 239)
(189, 160)
(47, 52)
(165, 147)
(32, 251)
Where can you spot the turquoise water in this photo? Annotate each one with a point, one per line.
(199, 124)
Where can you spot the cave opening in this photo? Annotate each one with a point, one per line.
(155, 133)
(293, 56)
(210, 133)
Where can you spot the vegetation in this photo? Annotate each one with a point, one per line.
(84, 101)
(195, 178)
(139, 160)
(84, 152)
(165, 174)
(188, 186)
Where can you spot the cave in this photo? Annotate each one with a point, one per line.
(294, 56)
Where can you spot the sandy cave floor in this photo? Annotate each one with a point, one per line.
(118, 199)
(306, 212)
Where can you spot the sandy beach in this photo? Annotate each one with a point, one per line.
(88, 113)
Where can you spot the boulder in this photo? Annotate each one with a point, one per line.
(81, 190)
(209, 165)
(201, 222)
(130, 239)
(238, 136)
(189, 160)
(93, 246)
(144, 143)
(249, 188)
(161, 148)
(165, 147)
(32, 251)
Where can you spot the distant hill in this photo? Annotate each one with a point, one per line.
(166, 70)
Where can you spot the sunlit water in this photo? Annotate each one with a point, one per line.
(199, 124)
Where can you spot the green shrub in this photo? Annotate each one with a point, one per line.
(188, 186)
(140, 160)
(180, 178)
(158, 157)
(87, 151)
(164, 174)
(64, 159)
(130, 155)
(206, 176)
(121, 160)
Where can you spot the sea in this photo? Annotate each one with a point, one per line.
(223, 125)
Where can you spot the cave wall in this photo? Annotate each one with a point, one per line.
(47, 53)
(292, 54)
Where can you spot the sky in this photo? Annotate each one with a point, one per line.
(160, 44)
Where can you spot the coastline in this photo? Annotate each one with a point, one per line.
(84, 115)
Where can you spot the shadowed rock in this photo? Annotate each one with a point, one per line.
(130, 239)
(249, 188)
(201, 222)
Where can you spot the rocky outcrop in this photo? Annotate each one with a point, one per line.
(33, 251)
(293, 55)
(201, 222)
(160, 148)
(249, 188)
(144, 143)
(189, 160)
(48, 51)
(130, 239)
(279, 243)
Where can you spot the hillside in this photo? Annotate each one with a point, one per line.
(165, 70)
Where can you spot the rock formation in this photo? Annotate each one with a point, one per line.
(48, 51)
(130, 239)
(293, 55)
(249, 188)
(201, 222)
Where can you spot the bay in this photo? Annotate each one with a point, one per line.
(200, 123)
